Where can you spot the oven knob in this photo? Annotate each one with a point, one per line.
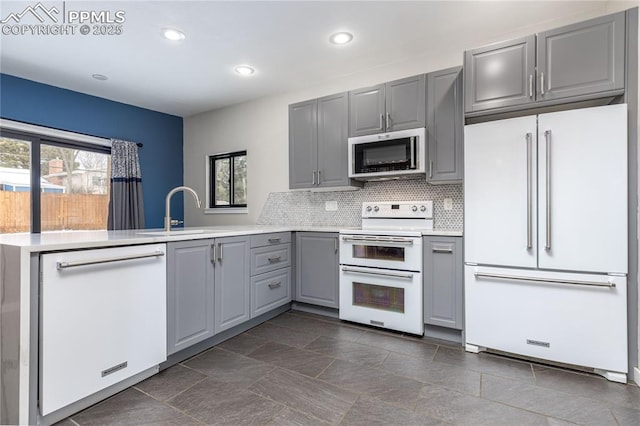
(368, 208)
(376, 208)
(423, 208)
(414, 209)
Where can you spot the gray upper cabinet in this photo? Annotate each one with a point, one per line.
(318, 143)
(576, 62)
(232, 284)
(444, 126)
(333, 127)
(500, 75)
(303, 144)
(583, 58)
(317, 268)
(190, 284)
(367, 111)
(396, 105)
(443, 290)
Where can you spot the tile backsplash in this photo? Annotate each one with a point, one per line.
(306, 208)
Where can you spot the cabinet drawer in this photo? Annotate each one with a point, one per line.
(265, 259)
(270, 290)
(262, 240)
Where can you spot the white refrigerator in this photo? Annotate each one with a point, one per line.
(546, 237)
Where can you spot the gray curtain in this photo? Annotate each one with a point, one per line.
(126, 210)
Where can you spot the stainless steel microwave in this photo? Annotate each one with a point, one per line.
(388, 155)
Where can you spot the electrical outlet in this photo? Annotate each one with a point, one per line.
(448, 204)
(330, 206)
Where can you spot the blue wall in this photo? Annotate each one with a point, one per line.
(160, 158)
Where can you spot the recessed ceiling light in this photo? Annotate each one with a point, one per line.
(100, 77)
(173, 34)
(342, 37)
(244, 70)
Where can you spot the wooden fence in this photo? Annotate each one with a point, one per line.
(58, 211)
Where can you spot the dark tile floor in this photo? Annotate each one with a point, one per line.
(302, 369)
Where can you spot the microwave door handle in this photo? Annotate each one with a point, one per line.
(413, 152)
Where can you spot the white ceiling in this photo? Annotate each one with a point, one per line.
(287, 43)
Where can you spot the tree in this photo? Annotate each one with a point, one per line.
(14, 154)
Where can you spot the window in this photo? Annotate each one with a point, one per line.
(228, 181)
(52, 183)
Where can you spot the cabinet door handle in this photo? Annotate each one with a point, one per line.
(388, 120)
(431, 168)
(274, 259)
(313, 177)
(542, 83)
(530, 85)
(274, 240)
(441, 250)
(381, 121)
(219, 252)
(547, 136)
(213, 253)
(319, 177)
(335, 245)
(275, 285)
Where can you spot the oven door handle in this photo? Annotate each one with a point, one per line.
(385, 274)
(398, 240)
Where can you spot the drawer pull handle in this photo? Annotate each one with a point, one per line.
(274, 259)
(608, 284)
(274, 285)
(274, 240)
(441, 250)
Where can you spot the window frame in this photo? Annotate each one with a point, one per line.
(36, 141)
(211, 184)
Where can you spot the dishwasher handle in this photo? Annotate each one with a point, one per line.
(66, 265)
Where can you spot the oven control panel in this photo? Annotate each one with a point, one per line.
(398, 209)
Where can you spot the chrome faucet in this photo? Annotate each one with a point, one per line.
(167, 214)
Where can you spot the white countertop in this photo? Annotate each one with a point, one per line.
(69, 240)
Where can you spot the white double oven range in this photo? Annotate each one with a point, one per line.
(381, 266)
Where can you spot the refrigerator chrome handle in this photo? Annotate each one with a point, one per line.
(609, 284)
(529, 192)
(547, 136)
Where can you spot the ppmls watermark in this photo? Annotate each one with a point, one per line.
(58, 20)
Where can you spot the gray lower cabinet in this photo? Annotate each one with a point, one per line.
(445, 134)
(575, 62)
(317, 264)
(443, 281)
(232, 284)
(190, 277)
(270, 272)
(388, 107)
(318, 143)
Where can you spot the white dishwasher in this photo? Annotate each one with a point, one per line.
(102, 319)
